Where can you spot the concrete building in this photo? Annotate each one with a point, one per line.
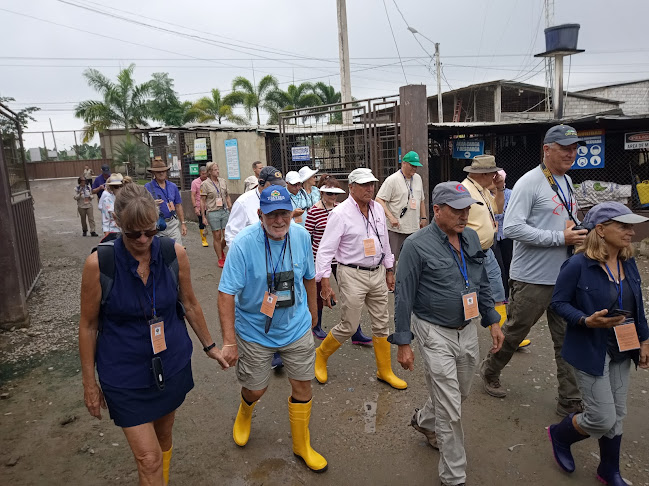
(634, 95)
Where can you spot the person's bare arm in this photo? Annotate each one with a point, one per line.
(226, 316)
(312, 300)
(393, 221)
(181, 216)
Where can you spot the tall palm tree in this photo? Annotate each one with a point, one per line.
(293, 98)
(165, 106)
(124, 103)
(215, 108)
(327, 93)
(249, 96)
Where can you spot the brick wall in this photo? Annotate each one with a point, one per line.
(634, 95)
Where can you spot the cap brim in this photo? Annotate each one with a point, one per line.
(364, 180)
(275, 182)
(481, 171)
(158, 169)
(630, 219)
(269, 208)
(309, 175)
(333, 190)
(463, 203)
(569, 141)
(414, 164)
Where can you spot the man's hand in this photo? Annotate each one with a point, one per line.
(230, 354)
(298, 212)
(389, 280)
(327, 293)
(422, 223)
(215, 353)
(499, 182)
(183, 229)
(394, 221)
(405, 357)
(197, 210)
(497, 337)
(573, 237)
(94, 399)
(204, 221)
(644, 355)
(598, 319)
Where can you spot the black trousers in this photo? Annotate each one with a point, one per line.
(504, 249)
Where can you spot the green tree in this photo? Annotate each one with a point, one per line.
(24, 117)
(293, 98)
(165, 106)
(124, 104)
(329, 96)
(132, 152)
(215, 108)
(249, 96)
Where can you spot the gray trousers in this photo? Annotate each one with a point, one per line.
(173, 231)
(604, 399)
(527, 303)
(450, 360)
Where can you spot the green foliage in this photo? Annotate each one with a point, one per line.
(133, 152)
(295, 97)
(24, 117)
(215, 108)
(249, 96)
(164, 106)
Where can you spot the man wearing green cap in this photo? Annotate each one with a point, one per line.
(402, 197)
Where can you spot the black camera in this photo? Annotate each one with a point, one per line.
(403, 211)
(578, 227)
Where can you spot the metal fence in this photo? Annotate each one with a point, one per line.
(41, 146)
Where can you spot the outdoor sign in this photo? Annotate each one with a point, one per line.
(592, 155)
(200, 149)
(467, 148)
(175, 166)
(232, 158)
(193, 169)
(300, 154)
(636, 140)
(150, 153)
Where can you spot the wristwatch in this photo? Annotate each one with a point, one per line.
(390, 269)
(211, 346)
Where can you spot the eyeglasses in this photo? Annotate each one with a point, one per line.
(134, 235)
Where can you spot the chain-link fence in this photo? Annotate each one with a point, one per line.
(43, 146)
(13, 152)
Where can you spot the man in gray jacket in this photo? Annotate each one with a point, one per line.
(442, 284)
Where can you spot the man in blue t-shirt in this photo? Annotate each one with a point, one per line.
(268, 305)
(167, 195)
(99, 184)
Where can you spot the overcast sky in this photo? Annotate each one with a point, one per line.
(46, 45)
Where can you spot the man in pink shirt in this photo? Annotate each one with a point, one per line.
(196, 201)
(357, 236)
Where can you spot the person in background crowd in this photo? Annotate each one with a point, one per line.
(541, 218)
(252, 181)
(298, 197)
(99, 183)
(87, 174)
(442, 284)
(136, 336)
(107, 205)
(267, 305)
(403, 200)
(357, 237)
(196, 201)
(311, 191)
(599, 294)
(504, 246)
(83, 196)
(215, 208)
(167, 196)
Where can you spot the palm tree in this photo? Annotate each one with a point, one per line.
(249, 96)
(215, 108)
(329, 96)
(293, 98)
(124, 103)
(165, 106)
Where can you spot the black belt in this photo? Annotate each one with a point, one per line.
(358, 267)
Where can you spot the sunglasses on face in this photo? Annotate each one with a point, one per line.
(134, 235)
(329, 193)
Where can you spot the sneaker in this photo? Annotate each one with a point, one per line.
(93, 234)
(85, 233)
(277, 362)
(492, 386)
(430, 435)
(566, 408)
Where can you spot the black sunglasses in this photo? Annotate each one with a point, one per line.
(328, 193)
(134, 235)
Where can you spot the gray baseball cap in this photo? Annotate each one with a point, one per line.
(453, 194)
(563, 135)
(611, 211)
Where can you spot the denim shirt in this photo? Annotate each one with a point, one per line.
(582, 288)
(430, 285)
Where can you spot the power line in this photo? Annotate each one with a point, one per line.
(395, 41)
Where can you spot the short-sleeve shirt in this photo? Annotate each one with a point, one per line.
(99, 180)
(196, 189)
(213, 191)
(397, 191)
(482, 218)
(245, 277)
(301, 201)
(170, 193)
(107, 208)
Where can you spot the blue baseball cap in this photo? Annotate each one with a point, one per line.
(611, 211)
(273, 198)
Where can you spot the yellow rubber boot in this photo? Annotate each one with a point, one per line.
(502, 310)
(166, 461)
(326, 349)
(203, 238)
(384, 364)
(241, 429)
(299, 415)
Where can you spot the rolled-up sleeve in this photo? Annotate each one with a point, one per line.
(330, 241)
(405, 292)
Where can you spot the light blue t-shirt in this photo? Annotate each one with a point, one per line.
(245, 276)
(301, 200)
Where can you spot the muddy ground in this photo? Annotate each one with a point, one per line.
(358, 424)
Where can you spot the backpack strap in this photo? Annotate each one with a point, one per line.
(168, 250)
(106, 257)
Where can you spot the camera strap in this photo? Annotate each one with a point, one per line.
(559, 192)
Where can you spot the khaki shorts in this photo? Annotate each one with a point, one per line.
(253, 366)
(218, 219)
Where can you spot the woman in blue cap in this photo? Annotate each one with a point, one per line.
(599, 295)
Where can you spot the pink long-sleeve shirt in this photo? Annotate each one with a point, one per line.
(343, 238)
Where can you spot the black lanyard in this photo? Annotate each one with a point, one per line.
(491, 211)
(280, 259)
(408, 186)
(559, 192)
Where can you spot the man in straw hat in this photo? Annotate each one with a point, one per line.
(167, 195)
(541, 218)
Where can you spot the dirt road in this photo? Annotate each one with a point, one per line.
(360, 425)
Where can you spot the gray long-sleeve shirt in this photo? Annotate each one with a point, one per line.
(430, 284)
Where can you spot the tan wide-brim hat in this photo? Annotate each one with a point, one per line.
(483, 164)
(158, 165)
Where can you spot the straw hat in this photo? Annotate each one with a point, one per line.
(115, 179)
(483, 164)
(158, 165)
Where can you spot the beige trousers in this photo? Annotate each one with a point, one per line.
(358, 287)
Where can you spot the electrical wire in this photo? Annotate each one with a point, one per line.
(395, 41)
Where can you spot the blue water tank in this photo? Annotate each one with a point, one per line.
(561, 37)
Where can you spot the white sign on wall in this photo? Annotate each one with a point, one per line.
(232, 158)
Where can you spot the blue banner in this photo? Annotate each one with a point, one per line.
(467, 148)
(590, 156)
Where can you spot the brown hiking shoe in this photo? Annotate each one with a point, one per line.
(430, 435)
(566, 408)
(492, 386)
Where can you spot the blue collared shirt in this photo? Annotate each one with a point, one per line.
(169, 194)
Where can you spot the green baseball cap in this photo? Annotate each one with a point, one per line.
(412, 158)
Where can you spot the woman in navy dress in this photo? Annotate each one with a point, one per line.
(136, 335)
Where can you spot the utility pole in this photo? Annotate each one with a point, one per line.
(343, 54)
(438, 65)
(54, 139)
(549, 62)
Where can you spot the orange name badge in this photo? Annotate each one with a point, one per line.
(171, 206)
(413, 203)
(158, 342)
(219, 202)
(626, 335)
(470, 304)
(368, 247)
(268, 304)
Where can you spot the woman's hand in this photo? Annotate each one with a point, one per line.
(230, 354)
(94, 399)
(215, 353)
(599, 319)
(644, 355)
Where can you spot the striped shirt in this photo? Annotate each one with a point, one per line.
(315, 224)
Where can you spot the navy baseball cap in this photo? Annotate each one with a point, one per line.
(272, 175)
(105, 169)
(453, 194)
(611, 211)
(563, 135)
(273, 198)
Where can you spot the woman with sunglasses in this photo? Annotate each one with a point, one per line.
(316, 222)
(598, 293)
(137, 336)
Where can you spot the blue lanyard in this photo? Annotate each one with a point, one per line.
(218, 193)
(151, 300)
(462, 267)
(279, 260)
(409, 186)
(565, 201)
(618, 285)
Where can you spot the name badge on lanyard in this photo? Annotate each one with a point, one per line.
(413, 203)
(157, 330)
(469, 299)
(369, 247)
(268, 304)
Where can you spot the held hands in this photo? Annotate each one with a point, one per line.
(230, 354)
(405, 357)
(327, 293)
(573, 237)
(217, 354)
(94, 399)
(599, 320)
(497, 337)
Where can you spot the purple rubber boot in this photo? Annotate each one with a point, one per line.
(360, 338)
